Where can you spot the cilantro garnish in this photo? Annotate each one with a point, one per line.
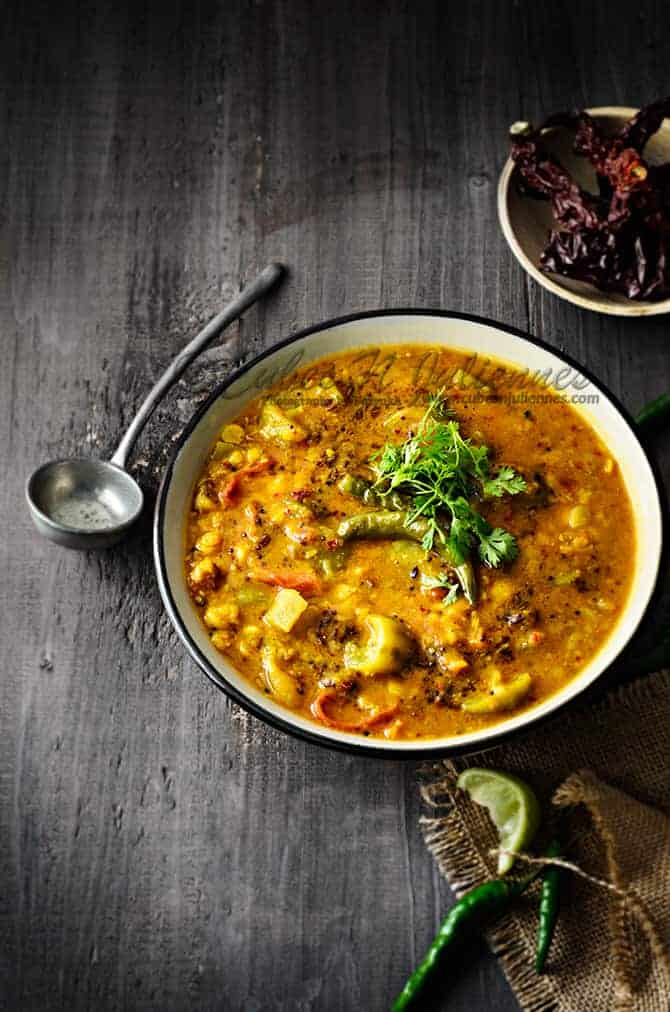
(444, 582)
(440, 471)
(506, 481)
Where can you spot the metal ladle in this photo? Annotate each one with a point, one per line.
(83, 503)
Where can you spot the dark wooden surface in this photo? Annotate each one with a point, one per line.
(160, 850)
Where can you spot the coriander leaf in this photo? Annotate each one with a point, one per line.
(437, 406)
(429, 537)
(479, 457)
(443, 582)
(506, 481)
(497, 547)
(459, 540)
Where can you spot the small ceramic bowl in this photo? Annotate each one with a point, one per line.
(526, 222)
(450, 330)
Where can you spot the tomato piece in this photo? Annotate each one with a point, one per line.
(318, 710)
(232, 488)
(304, 583)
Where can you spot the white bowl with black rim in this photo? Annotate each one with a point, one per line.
(449, 330)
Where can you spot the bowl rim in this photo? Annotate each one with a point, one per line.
(595, 302)
(374, 748)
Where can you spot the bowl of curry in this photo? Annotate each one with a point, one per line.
(407, 533)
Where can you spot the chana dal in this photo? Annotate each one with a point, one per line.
(328, 577)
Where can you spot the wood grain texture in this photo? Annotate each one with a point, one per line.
(161, 850)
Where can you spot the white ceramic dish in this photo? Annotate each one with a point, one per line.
(526, 223)
(376, 329)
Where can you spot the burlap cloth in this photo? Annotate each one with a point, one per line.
(607, 771)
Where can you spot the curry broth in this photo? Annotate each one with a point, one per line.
(287, 603)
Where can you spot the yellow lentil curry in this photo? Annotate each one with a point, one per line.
(394, 543)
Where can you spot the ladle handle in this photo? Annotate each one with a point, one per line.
(250, 294)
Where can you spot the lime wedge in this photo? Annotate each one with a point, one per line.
(512, 805)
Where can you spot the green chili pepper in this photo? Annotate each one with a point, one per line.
(484, 902)
(363, 490)
(351, 485)
(549, 904)
(393, 524)
(466, 577)
(654, 413)
(382, 524)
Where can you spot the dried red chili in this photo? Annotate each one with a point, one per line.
(618, 239)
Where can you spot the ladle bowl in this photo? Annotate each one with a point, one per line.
(81, 503)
